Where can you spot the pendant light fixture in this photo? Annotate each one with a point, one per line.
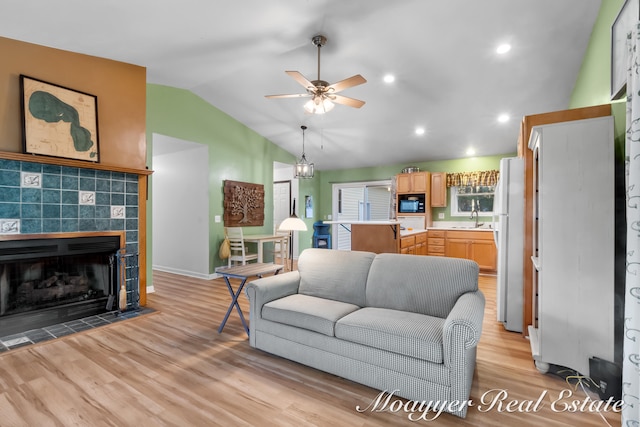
(304, 169)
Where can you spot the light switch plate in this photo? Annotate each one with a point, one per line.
(217, 218)
(441, 215)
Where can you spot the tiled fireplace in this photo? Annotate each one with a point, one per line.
(43, 203)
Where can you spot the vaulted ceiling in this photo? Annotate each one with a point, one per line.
(449, 80)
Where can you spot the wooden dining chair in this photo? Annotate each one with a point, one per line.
(239, 254)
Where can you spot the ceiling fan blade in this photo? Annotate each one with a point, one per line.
(344, 100)
(293, 95)
(347, 83)
(297, 76)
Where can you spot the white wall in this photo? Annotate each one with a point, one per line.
(180, 206)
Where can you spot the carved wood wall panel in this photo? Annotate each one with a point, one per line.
(243, 204)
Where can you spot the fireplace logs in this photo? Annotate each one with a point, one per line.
(59, 286)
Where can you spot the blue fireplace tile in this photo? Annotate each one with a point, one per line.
(70, 211)
(87, 184)
(31, 210)
(132, 188)
(86, 212)
(103, 185)
(131, 212)
(30, 226)
(117, 186)
(50, 181)
(50, 211)
(69, 182)
(132, 224)
(103, 174)
(117, 224)
(117, 175)
(9, 165)
(52, 169)
(132, 236)
(51, 226)
(88, 173)
(87, 224)
(31, 195)
(103, 199)
(10, 194)
(70, 197)
(9, 178)
(10, 210)
(117, 199)
(66, 170)
(132, 248)
(103, 211)
(103, 224)
(51, 196)
(131, 177)
(131, 200)
(69, 225)
(31, 167)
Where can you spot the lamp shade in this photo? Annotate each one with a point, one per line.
(318, 105)
(293, 223)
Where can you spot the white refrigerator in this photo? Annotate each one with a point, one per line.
(508, 226)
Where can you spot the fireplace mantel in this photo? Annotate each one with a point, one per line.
(71, 163)
(12, 237)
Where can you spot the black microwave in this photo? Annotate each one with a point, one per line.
(411, 203)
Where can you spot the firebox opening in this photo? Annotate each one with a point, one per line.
(49, 281)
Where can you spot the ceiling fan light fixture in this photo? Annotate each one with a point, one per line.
(303, 169)
(318, 105)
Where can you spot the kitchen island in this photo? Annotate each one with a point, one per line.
(379, 236)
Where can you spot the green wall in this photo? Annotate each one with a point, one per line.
(235, 153)
(592, 85)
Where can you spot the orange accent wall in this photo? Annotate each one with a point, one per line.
(119, 87)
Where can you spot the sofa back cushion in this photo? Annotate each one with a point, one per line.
(421, 284)
(334, 274)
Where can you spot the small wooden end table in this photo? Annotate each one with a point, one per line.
(243, 272)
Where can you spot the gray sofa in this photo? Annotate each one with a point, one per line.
(404, 324)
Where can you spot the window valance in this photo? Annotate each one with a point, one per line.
(474, 178)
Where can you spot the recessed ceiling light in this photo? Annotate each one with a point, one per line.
(503, 48)
(470, 151)
(503, 118)
(420, 131)
(389, 78)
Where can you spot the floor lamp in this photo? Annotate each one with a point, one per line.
(291, 224)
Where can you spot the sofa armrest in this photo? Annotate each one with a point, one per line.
(463, 325)
(261, 291)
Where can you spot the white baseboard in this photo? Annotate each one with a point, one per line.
(186, 272)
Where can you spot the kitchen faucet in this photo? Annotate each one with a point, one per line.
(475, 211)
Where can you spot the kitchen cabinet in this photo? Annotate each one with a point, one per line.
(435, 242)
(438, 189)
(414, 244)
(415, 182)
(477, 246)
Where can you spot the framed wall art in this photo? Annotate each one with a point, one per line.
(58, 121)
(627, 17)
(243, 204)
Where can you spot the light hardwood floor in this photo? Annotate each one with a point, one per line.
(172, 368)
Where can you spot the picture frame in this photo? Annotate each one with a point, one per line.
(628, 15)
(243, 204)
(58, 121)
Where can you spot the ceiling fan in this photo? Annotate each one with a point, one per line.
(323, 94)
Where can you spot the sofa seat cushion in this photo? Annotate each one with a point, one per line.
(307, 312)
(410, 334)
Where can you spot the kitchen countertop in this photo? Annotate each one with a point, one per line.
(462, 228)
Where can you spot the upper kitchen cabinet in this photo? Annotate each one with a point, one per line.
(438, 190)
(415, 182)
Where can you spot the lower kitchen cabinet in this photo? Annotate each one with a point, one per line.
(477, 246)
(415, 244)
